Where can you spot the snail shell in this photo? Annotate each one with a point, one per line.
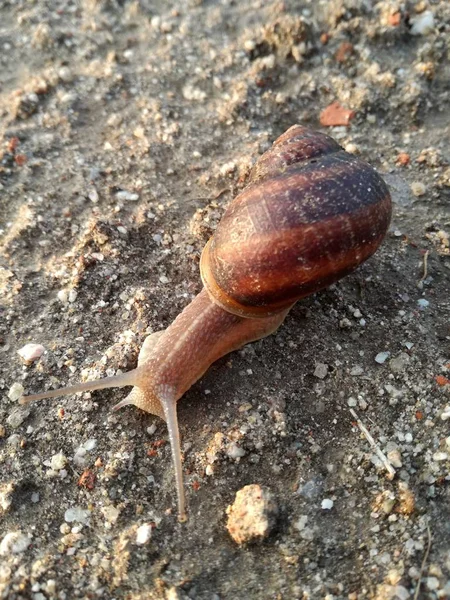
(310, 214)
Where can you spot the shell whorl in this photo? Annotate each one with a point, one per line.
(310, 215)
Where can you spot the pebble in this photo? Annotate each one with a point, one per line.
(18, 416)
(234, 451)
(76, 514)
(301, 523)
(111, 513)
(357, 370)
(31, 352)
(423, 303)
(440, 456)
(381, 357)
(445, 414)
(399, 363)
(14, 542)
(335, 114)
(253, 514)
(327, 504)
(58, 462)
(63, 296)
(15, 391)
(418, 188)
(143, 534)
(72, 295)
(423, 24)
(321, 370)
(127, 196)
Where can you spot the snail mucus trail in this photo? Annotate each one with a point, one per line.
(310, 214)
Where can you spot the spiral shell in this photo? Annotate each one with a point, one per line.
(310, 215)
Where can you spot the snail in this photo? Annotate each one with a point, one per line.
(310, 214)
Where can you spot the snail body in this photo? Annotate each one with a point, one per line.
(310, 215)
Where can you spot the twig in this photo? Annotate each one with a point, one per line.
(389, 468)
(424, 560)
(425, 266)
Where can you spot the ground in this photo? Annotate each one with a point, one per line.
(125, 130)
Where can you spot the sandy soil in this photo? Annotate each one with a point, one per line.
(125, 130)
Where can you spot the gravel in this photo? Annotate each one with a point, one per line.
(125, 130)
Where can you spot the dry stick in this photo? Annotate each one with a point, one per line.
(424, 560)
(425, 266)
(389, 468)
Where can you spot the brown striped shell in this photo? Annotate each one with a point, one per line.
(310, 215)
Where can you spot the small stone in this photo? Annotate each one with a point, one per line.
(395, 458)
(15, 391)
(381, 357)
(6, 496)
(423, 303)
(445, 414)
(192, 93)
(63, 296)
(234, 451)
(14, 542)
(301, 523)
(58, 462)
(253, 514)
(356, 370)
(418, 188)
(111, 513)
(31, 352)
(127, 196)
(143, 534)
(72, 295)
(327, 504)
(335, 114)
(90, 444)
(18, 416)
(399, 363)
(76, 514)
(432, 583)
(321, 370)
(440, 456)
(423, 24)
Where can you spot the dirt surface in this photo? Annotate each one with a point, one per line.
(125, 130)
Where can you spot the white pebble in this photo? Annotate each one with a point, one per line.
(72, 295)
(63, 296)
(327, 504)
(357, 370)
(445, 414)
(31, 352)
(439, 456)
(90, 444)
(423, 24)
(423, 303)
(301, 523)
(192, 93)
(143, 534)
(58, 462)
(111, 513)
(432, 583)
(234, 451)
(76, 514)
(126, 195)
(15, 391)
(418, 188)
(381, 357)
(14, 542)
